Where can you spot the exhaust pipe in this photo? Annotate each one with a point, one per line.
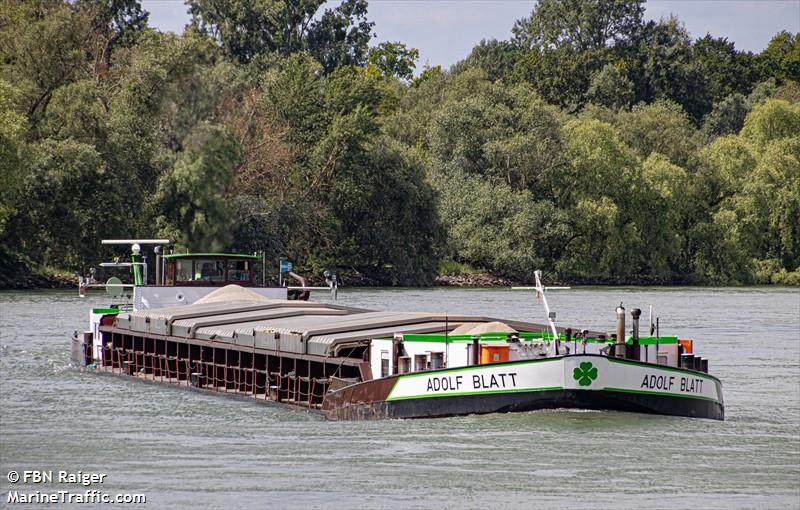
(619, 346)
(635, 314)
(157, 249)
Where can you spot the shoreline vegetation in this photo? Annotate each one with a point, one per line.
(592, 143)
(60, 279)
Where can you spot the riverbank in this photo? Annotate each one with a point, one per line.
(49, 278)
(45, 279)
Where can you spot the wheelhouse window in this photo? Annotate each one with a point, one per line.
(200, 270)
(209, 270)
(238, 271)
(184, 270)
(212, 271)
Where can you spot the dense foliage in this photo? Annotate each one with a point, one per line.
(592, 144)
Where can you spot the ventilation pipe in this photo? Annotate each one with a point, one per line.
(619, 346)
(635, 314)
(397, 351)
(157, 250)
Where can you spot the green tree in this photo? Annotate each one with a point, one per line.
(49, 43)
(136, 149)
(761, 92)
(493, 57)
(357, 199)
(77, 111)
(717, 254)
(781, 58)
(663, 67)
(44, 46)
(341, 35)
(13, 151)
(416, 104)
(661, 127)
(192, 196)
(727, 116)
(582, 25)
(508, 135)
(768, 206)
(725, 164)
(602, 173)
(610, 87)
(664, 204)
(770, 121)
(726, 70)
(394, 224)
(491, 226)
(246, 29)
(562, 76)
(394, 59)
(751, 184)
(62, 222)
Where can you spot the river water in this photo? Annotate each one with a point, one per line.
(185, 449)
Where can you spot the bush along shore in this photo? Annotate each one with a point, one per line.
(48, 279)
(59, 279)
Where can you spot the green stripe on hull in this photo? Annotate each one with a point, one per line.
(662, 393)
(467, 393)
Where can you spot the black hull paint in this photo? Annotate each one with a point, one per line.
(531, 401)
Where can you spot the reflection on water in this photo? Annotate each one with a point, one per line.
(185, 449)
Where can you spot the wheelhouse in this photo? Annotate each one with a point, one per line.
(210, 269)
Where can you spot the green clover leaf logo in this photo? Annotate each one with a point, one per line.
(585, 374)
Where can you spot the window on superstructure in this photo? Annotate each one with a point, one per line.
(238, 271)
(209, 270)
(184, 270)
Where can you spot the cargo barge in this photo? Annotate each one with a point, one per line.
(349, 363)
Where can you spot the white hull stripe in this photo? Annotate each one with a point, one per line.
(588, 373)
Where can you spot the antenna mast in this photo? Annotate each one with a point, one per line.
(540, 292)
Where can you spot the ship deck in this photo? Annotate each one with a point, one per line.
(275, 350)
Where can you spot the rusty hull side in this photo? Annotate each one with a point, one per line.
(361, 401)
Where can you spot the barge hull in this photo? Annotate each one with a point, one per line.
(261, 374)
(571, 382)
(530, 401)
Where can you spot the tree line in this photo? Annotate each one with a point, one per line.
(592, 144)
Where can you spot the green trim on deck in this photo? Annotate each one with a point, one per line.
(218, 255)
(484, 337)
(446, 371)
(651, 340)
(437, 338)
(526, 335)
(106, 311)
